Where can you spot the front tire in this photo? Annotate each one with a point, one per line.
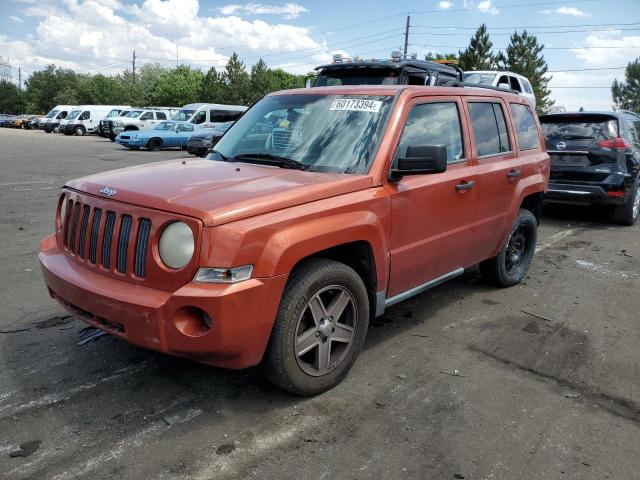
(628, 213)
(511, 265)
(320, 328)
(79, 131)
(155, 145)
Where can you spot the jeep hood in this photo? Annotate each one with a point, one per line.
(218, 192)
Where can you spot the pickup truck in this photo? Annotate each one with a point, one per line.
(316, 211)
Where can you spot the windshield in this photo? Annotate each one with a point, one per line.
(73, 114)
(579, 127)
(184, 115)
(52, 113)
(479, 78)
(113, 113)
(352, 76)
(328, 133)
(165, 126)
(133, 113)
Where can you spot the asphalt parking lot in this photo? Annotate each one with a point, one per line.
(540, 381)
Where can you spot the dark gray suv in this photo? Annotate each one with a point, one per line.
(595, 159)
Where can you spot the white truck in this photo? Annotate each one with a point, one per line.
(209, 115)
(86, 118)
(141, 118)
(55, 116)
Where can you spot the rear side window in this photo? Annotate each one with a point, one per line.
(221, 116)
(489, 128)
(578, 127)
(161, 116)
(434, 124)
(527, 86)
(528, 138)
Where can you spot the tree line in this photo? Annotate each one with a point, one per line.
(153, 85)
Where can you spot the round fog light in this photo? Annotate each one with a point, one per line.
(192, 321)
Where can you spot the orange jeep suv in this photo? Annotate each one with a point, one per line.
(316, 211)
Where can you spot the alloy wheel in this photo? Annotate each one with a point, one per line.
(325, 330)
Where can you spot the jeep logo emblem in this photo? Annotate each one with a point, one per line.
(561, 146)
(108, 191)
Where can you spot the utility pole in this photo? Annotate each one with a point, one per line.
(20, 78)
(406, 36)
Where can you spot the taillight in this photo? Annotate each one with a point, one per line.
(615, 144)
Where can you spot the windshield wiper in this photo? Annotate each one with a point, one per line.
(269, 159)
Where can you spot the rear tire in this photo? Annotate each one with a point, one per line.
(320, 328)
(155, 144)
(628, 213)
(511, 265)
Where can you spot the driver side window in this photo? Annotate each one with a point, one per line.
(147, 116)
(434, 124)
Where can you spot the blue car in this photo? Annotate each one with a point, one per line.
(164, 135)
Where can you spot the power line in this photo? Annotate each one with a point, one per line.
(586, 69)
(534, 33)
(583, 47)
(456, 27)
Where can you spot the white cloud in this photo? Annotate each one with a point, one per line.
(609, 49)
(577, 95)
(287, 11)
(572, 11)
(445, 5)
(486, 7)
(106, 31)
(16, 19)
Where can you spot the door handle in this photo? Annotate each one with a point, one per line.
(465, 185)
(514, 174)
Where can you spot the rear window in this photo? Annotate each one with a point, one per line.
(579, 127)
(525, 127)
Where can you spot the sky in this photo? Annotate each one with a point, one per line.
(587, 42)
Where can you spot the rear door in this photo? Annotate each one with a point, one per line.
(499, 171)
(577, 144)
(432, 213)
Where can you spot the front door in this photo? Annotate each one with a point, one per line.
(432, 214)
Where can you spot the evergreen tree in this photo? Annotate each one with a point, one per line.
(439, 56)
(237, 82)
(261, 81)
(213, 87)
(524, 56)
(626, 95)
(478, 56)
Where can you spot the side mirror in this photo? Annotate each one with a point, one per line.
(420, 160)
(504, 86)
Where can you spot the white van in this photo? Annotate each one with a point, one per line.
(501, 79)
(85, 118)
(209, 115)
(57, 113)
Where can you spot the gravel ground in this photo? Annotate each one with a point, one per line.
(539, 381)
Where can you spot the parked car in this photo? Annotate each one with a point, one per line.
(85, 118)
(33, 122)
(282, 245)
(165, 135)
(139, 119)
(595, 160)
(19, 120)
(502, 79)
(7, 120)
(200, 143)
(208, 115)
(53, 118)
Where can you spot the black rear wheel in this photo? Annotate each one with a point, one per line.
(628, 213)
(511, 265)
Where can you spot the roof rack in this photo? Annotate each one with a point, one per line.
(455, 83)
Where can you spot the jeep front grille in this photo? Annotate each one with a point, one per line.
(108, 237)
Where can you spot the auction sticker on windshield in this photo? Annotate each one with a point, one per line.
(356, 105)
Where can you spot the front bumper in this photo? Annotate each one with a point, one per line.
(242, 314)
(581, 194)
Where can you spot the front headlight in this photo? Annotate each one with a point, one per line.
(117, 123)
(176, 245)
